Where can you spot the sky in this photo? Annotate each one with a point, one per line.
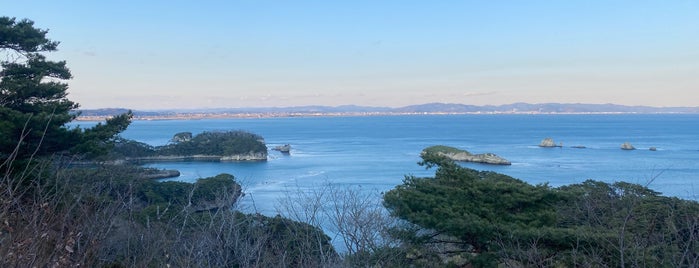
(150, 55)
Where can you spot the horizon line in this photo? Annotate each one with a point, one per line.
(386, 107)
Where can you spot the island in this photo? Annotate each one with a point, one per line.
(465, 156)
(206, 146)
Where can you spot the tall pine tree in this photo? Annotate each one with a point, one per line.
(34, 107)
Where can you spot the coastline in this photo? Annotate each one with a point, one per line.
(199, 116)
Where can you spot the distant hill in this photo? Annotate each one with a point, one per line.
(546, 108)
(521, 107)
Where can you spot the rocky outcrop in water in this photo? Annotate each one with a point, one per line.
(286, 148)
(465, 156)
(627, 146)
(548, 143)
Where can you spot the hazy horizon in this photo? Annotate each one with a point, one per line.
(254, 108)
(158, 55)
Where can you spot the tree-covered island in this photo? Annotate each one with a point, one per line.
(464, 156)
(209, 146)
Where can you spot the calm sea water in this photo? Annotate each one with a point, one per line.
(377, 152)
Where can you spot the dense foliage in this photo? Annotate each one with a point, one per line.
(443, 149)
(217, 143)
(217, 192)
(207, 144)
(204, 207)
(486, 219)
(474, 208)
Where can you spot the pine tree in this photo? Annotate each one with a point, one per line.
(34, 107)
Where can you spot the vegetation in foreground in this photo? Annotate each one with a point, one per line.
(485, 219)
(54, 214)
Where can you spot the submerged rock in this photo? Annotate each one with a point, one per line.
(627, 146)
(653, 149)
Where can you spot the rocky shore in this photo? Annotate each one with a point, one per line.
(286, 148)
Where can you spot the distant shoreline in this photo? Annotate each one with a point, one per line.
(200, 116)
(354, 110)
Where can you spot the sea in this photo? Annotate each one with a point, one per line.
(376, 153)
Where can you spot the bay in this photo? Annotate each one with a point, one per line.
(376, 152)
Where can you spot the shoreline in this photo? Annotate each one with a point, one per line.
(200, 116)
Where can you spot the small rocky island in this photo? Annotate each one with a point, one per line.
(285, 149)
(465, 156)
(549, 143)
(627, 146)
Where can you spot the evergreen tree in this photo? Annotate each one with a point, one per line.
(475, 210)
(34, 107)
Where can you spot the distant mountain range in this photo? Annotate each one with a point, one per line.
(428, 108)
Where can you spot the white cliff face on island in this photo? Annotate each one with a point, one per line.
(465, 156)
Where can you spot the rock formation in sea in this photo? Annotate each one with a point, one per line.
(548, 142)
(465, 156)
(653, 149)
(627, 146)
(286, 148)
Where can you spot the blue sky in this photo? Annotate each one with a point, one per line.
(198, 54)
